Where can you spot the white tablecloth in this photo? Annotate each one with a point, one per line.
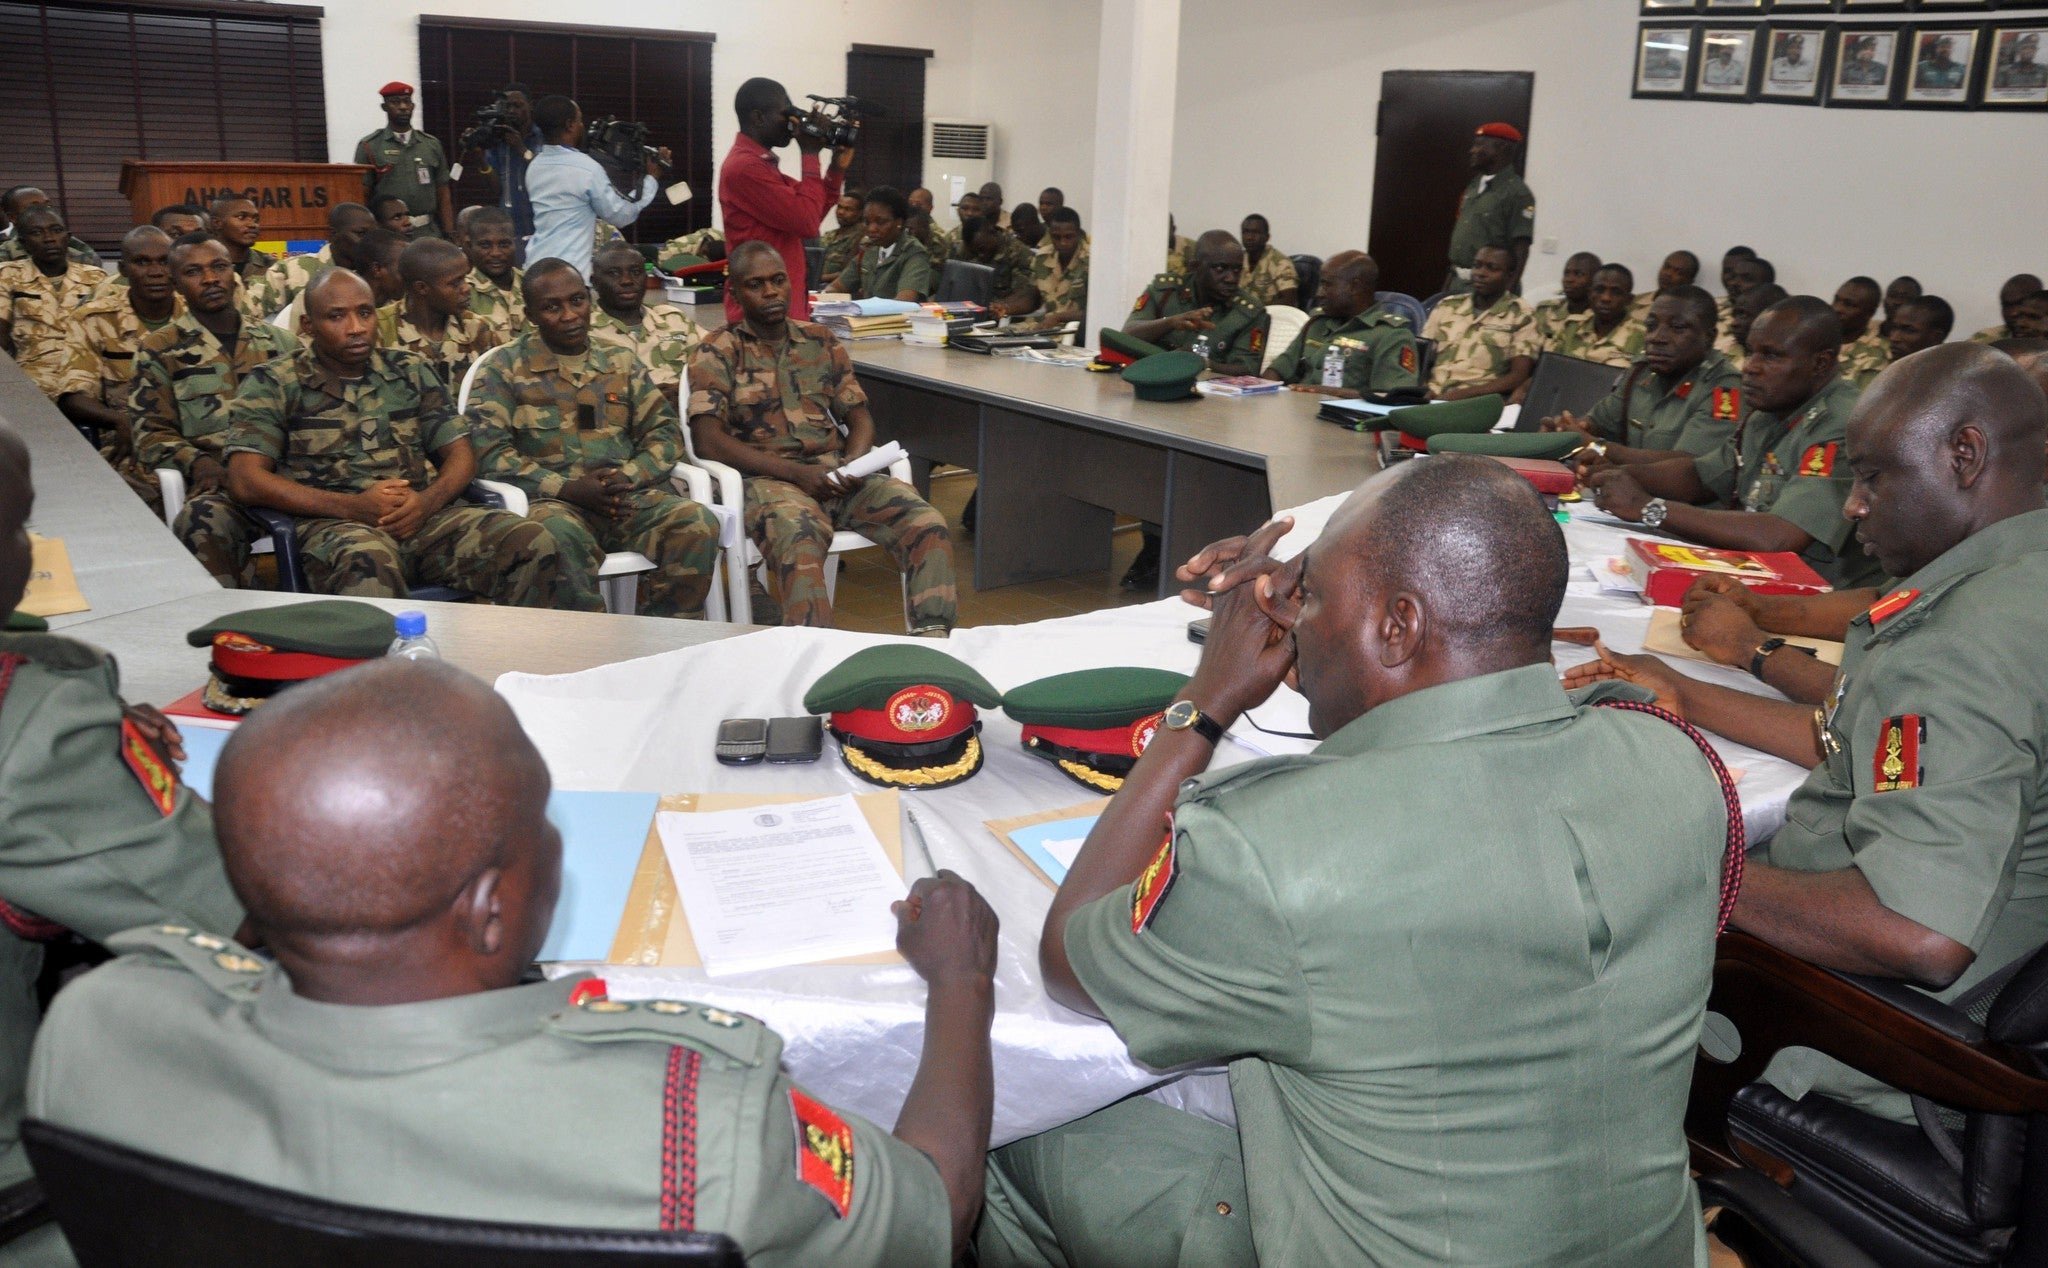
(853, 1034)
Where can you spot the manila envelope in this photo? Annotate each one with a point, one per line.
(52, 586)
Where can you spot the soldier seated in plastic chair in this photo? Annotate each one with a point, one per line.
(770, 397)
(582, 428)
(660, 336)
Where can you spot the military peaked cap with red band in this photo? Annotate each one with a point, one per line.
(1505, 131)
(395, 89)
(1093, 723)
(258, 653)
(905, 714)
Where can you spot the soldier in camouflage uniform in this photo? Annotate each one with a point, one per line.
(845, 239)
(185, 374)
(1176, 310)
(1377, 348)
(1001, 251)
(660, 336)
(582, 429)
(281, 284)
(1575, 294)
(700, 247)
(362, 443)
(38, 295)
(238, 222)
(1179, 251)
(1269, 276)
(434, 319)
(100, 348)
(1057, 281)
(1865, 352)
(1607, 332)
(1485, 339)
(494, 281)
(769, 397)
(20, 199)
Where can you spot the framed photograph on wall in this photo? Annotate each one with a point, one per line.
(1668, 8)
(1727, 62)
(1940, 66)
(1663, 57)
(2018, 75)
(1866, 65)
(1735, 6)
(1792, 73)
(1802, 6)
(1873, 6)
(1953, 6)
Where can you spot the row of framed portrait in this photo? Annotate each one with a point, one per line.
(1671, 8)
(1935, 66)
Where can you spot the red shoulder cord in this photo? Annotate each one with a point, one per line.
(20, 923)
(1738, 832)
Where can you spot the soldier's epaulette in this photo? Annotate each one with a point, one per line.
(1243, 776)
(1247, 303)
(1172, 281)
(53, 651)
(221, 963)
(735, 1036)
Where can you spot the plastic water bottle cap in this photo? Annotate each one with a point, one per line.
(411, 624)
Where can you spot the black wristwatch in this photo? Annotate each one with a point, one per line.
(1182, 715)
(1763, 651)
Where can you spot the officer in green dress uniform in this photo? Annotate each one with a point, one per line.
(1176, 311)
(1533, 968)
(1377, 347)
(1681, 398)
(391, 1057)
(1496, 209)
(1778, 484)
(407, 164)
(1918, 846)
(891, 264)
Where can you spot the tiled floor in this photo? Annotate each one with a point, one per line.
(870, 595)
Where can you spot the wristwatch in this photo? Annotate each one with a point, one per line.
(1182, 715)
(1763, 652)
(1654, 512)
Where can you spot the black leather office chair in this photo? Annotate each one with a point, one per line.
(1308, 271)
(1969, 1185)
(964, 279)
(814, 266)
(119, 1208)
(291, 569)
(21, 1209)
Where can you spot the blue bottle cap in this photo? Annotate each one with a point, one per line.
(410, 624)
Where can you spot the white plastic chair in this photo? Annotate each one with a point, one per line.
(171, 482)
(732, 502)
(1287, 323)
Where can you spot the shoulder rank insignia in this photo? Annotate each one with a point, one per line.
(1896, 763)
(157, 778)
(1408, 358)
(1139, 307)
(824, 1151)
(1819, 460)
(1890, 606)
(588, 989)
(1257, 343)
(1728, 404)
(1684, 390)
(1153, 882)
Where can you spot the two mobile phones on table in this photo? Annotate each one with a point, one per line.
(746, 741)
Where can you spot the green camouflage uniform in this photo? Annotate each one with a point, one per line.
(908, 268)
(682, 252)
(1865, 357)
(1473, 348)
(100, 348)
(1378, 348)
(502, 306)
(184, 379)
(1695, 412)
(1012, 265)
(944, 246)
(1992, 334)
(1494, 212)
(542, 419)
(781, 398)
(840, 245)
(14, 249)
(465, 338)
(1791, 465)
(529, 1104)
(256, 265)
(663, 342)
(1062, 290)
(282, 281)
(1724, 311)
(1548, 319)
(414, 169)
(98, 836)
(248, 285)
(1237, 344)
(1265, 280)
(35, 313)
(1579, 337)
(343, 436)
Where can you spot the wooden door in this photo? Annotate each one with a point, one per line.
(1426, 121)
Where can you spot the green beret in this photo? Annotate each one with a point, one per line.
(904, 714)
(1476, 414)
(1114, 340)
(1170, 376)
(1553, 445)
(341, 628)
(1094, 723)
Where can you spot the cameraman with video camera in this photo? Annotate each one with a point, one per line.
(571, 190)
(758, 203)
(503, 142)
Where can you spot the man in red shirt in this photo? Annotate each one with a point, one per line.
(758, 203)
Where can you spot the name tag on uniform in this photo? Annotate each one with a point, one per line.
(426, 178)
(586, 417)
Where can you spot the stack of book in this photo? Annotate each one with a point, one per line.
(864, 318)
(932, 325)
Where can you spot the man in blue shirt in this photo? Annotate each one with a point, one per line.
(570, 190)
(504, 164)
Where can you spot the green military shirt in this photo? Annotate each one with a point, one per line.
(1792, 466)
(908, 268)
(520, 1105)
(344, 435)
(1012, 265)
(98, 836)
(840, 245)
(1547, 319)
(1476, 347)
(781, 397)
(1579, 337)
(663, 341)
(256, 265)
(283, 281)
(691, 248)
(1493, 212)
(542, 419)
(502, 306)
(184, 379)
(1273, 273)
(1459, 1009)
(414, 169)
(1237, 344)
(1378, 348)
(465, 338)
(1694, 412)
(1933, 785)
(1865, 357)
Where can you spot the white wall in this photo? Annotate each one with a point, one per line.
(1034, 73)
(1824, 194)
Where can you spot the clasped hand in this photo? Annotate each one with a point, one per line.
(1255, 600)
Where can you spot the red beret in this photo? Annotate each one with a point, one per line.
(394, 88)
(1505, 131)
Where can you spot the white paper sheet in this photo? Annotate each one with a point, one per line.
(781, 885)
(879, 458)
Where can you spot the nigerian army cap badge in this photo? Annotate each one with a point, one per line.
(1093, 724)
(258, 653)
(905, 715)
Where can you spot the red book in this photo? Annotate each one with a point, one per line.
(1549, 477)
(1664, 570)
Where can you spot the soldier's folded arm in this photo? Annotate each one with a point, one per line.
(1736, 530)
(656, 435)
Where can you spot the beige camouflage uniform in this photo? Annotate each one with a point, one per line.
(662, 342)
(1579, 337)
(542, 419)
(282, 281)
(1178, 254)
(466, 337)
(100, 348)
(1991, 334)
(1062, 290)
(35, 314)
(1865, 356)
(1473, 348)
(502, 306)
(1548, 319)
(1272, 274)
(681, 252)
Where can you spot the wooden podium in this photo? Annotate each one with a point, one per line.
(293, 197)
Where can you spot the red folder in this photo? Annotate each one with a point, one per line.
(1553, 478)
(1664, 570)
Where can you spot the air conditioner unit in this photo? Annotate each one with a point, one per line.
(959, 157)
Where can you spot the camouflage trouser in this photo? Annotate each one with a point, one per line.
(213, 528)
(795, 534)
(494, 554)
(121, 457)
(680, 536)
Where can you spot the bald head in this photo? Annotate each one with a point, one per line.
(333, 286)
(1809, 322)
(1356, 265)
(1350, 285)
(144, 238)
(430, 259)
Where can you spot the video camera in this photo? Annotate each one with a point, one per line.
(484, 132)
(838, 130)
(621, 149)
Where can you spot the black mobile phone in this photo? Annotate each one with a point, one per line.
(741, 741)
(796, 739)
(1198, 631)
